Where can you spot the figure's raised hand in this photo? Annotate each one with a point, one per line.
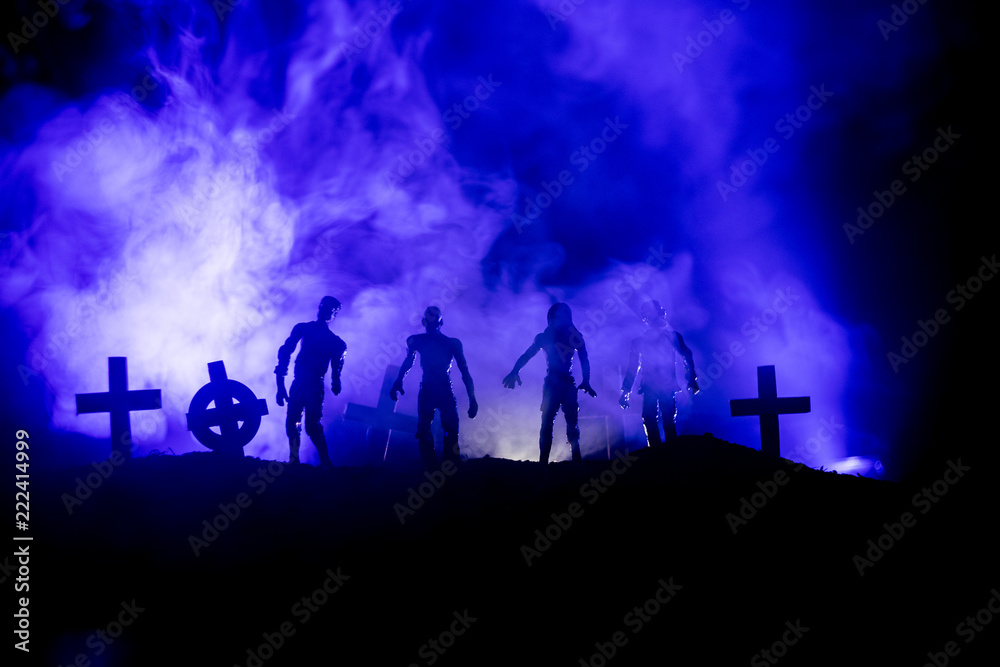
(587, 389)
(335, 386)
(397, 388)
(512, 380)
(473, 408)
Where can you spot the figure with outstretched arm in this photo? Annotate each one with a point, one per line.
(559, 341)
(655, 353)
(319, 349)
(436, 354)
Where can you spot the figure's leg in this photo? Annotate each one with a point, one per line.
(571, 410)
(650, 417)
(425, 441)
(449, 422)
(314, 412)
(668, 406)
(550, 405)
(291, 422)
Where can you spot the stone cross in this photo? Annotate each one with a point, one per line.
(237, 422)
(119, 401)
(768, 406)
(383, 418)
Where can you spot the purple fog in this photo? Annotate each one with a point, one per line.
(184, 181)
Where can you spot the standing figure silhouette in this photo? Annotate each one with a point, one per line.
(320, 349)
(436, 353)
(559, 340)
(655, 352)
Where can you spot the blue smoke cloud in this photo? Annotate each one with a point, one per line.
(186, 180)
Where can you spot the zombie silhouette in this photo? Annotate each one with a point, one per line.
(655, 352)
(320, 349)
(436, 353)
(559, 340)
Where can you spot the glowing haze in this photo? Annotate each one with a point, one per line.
(489, 161)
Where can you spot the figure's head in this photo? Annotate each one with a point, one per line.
(653, 314)
(432, 319)
(560, 315)
(328, 307)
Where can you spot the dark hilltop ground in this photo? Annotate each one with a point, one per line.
(642, 560)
